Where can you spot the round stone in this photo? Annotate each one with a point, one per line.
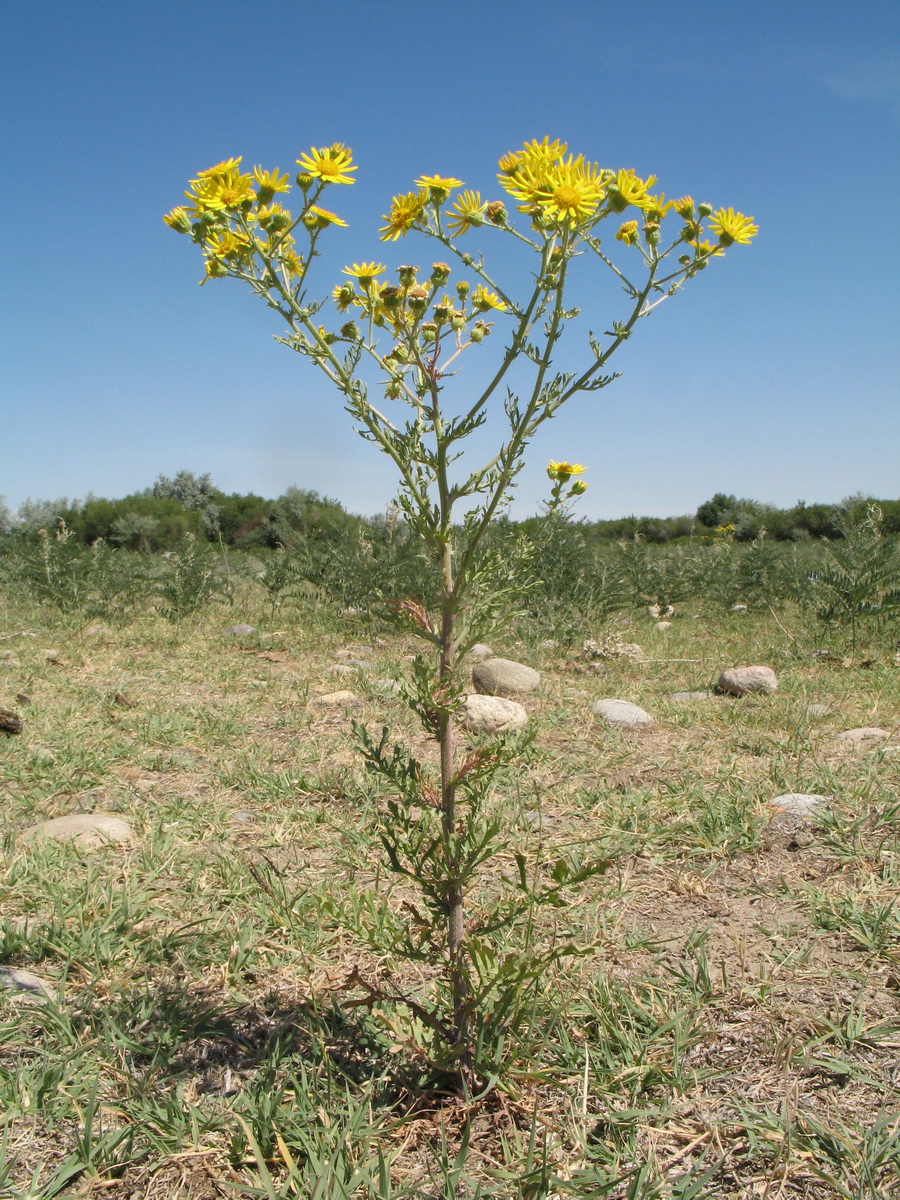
(503, 677)
(863, 738)
(87, 829)
(743, 681)
(240, 630)
(621, 714)
(492, 714)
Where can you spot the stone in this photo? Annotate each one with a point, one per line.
(339, 670)
(479, 652)
(492, 714)
(817, 710)
(688, 697)
(739, 608)
(503, 677)
(8, 659)
(240, 630)
(663, 625)
(387, 686)
(800, 804)
(337, 700)
(742, 681)
(87, 829)
(621, 714)
(349, 653)
(612, 646)
(863, 738)
(16, 981)
(361, 664)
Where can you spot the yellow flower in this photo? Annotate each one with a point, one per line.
(268, 183)
(628, 233)
(571, 191)
(321, 218)
(438, 187)
(708, 250)
(627, 188)
(331, 164)
(364, 272)
(178, 220)
(523, 172)
(564, 471)
(467, 212)
(292, 262)
(684, 206)
(732, 227)
(483, 300)
(344, 296)
(226, 167)
(405, 212)
(655, 207)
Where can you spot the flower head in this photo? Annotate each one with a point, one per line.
(437, 186)
(321, 218)
(268, 183)
(467, 212)
(178, 220)
(570, 191)
(484, 300)
(732, 227)
(364, 272)
(627, 188)
(220, 188)
(331, 164)
(628, 233)
(563, 471)
(406, 210)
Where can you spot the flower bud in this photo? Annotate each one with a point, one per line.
(684, 259)
(578, 488)
(457, 320)
(304, 181)
(462, 289)
(407, 275)
(496, 212)
(280, 220)
(440, 273)
(441, 313)
(417, 297)
(428, 329)
(390, 297)
(703, 210)
(393, 391)
(350, 331)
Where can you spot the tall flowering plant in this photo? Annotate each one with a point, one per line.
(392, 343)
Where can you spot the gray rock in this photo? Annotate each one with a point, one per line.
(479, 652)
(688, 697)
(492, 714)
(742, 681)
(339, 670)
(337, 700)
(661, 625)
(621, 714)
(350, 652)
(87, 829)
(739, 608)
(240, 630)
(863, 738)
(16, 981)
(503, 677)
(800, 804)
(817, 710)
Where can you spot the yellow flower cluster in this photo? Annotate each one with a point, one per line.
(234, 216)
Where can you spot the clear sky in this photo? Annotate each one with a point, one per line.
(774, 375)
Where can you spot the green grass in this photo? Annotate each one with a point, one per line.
(730, 1028)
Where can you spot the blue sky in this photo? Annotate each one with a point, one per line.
(774, 375)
